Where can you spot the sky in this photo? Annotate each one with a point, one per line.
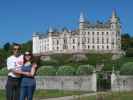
(20, 18)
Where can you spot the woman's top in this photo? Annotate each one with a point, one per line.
(26, 80)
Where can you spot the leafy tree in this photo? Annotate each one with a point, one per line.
(7, 46)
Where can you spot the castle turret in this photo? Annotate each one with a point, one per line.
(81, 21)
(116, 26)
(50, 31)
(35, 45)
(115, 21)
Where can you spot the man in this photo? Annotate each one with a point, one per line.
(14, 62)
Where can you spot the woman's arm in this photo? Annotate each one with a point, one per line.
(31, 73)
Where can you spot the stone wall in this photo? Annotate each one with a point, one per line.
(121, 82)
(84, 83)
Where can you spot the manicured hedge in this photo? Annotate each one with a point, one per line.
(46, 71)
(84, 70)
(127, 69)
(66, 70)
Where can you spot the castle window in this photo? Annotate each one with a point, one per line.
(97, 33)
(93, 41)
(93, 33)
(57, 42)
(57, 48)
(107, 33)
(102, 33)
(88, 46)
(73, 47)
(73, 41)
(102, 40)
(78, 44)
(98, 47)
(93, 47)
(97, 40)
(102, 46)
(107, 47)
(88, 40)
(88, 33)
(107, 40)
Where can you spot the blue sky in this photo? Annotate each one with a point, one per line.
(20, 18)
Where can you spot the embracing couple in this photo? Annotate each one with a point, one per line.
(21, 82)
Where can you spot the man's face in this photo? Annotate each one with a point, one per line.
(16, 50)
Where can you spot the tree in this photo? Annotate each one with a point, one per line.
(125, 41)
(6, 46)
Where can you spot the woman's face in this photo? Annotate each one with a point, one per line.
(27, 57)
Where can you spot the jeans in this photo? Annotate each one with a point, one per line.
(27, 92)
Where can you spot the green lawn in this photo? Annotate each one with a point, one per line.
(41, 94)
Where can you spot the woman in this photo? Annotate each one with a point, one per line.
(28, 82)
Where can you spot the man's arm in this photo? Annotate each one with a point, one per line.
(31, 73)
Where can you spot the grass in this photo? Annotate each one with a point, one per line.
(116, 95)
(42, 94)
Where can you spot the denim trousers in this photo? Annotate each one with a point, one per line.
(26, 92)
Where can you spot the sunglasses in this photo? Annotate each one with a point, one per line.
(16, 49)
(27, 54)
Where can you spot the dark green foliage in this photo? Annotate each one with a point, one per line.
(3, 72)
(127, 69)
(46, 71)
(26, 46)
(84, 70)
(129, 52)
(66, 70)
(7, 46)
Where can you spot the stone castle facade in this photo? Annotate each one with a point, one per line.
(89, 37)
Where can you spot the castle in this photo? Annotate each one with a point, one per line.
(89, 37)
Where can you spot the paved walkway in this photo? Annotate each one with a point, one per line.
(70, 97)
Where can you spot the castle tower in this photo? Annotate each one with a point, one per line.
(50, 31)
(81, 21)
(116, 26)
(115, 21)
(35, 45)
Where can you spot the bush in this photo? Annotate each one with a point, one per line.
(127, 69)
(3, 71)
(46, 71)
(129, 52)
(66, 70)
(84, 70)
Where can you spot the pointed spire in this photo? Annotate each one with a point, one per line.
(114, 15)
(50, 30)
(81, 17)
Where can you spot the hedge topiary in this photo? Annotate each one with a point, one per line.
(66, 70)
(84, 70)
(127, 69)
(3, 71)
(46, 71)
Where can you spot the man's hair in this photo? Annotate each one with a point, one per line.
(16, 44)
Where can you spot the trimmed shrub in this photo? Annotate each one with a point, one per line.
(66, 70)
(46, 71)
(127, 69)
(129, 52)
(84, 70)
(3, 71)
